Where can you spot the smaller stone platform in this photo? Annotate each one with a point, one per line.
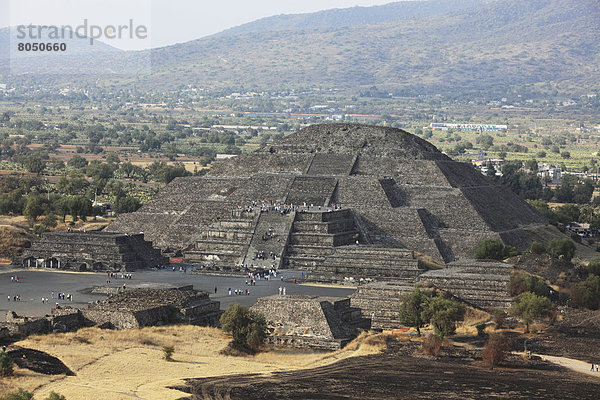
(324, 323)
(92, 251)
(137, 308)
(129, 309)
(478, 283)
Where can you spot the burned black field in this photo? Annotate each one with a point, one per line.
(402, 372)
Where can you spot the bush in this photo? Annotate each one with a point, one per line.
(481, 329)
(537, 248)
(489, 249)
(432, 345)
(55, 396)
(168, 352)
(562, 247)
(521, 282)
(18, 395)
(575, 237)
(586, 294)
(248, 328)
(494, 249)
(499, 318)
(495, 350)
(593, 268)
(6, 364)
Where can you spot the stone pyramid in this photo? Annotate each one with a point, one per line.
(393, 193)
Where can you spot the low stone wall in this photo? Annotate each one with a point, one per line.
(24, 326)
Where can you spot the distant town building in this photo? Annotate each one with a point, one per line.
(550, 172)
(468, 127)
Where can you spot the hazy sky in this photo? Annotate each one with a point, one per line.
(168, 21)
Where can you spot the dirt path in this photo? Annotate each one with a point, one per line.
(574, 365)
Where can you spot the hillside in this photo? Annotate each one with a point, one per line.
(532, 44)
(518, 42)
(344, 17)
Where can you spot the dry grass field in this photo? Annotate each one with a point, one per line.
(124, 364)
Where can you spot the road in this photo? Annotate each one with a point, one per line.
(35, 284)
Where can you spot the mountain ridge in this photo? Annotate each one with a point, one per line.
(531, 44)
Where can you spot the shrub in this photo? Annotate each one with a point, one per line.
(495, 350)
(593, 268)
(432, 345)
(481, 329)
(521, 282)
(499, 317)
(18, 395)
(586, 294)
(562, 247)
(537, 248)
(489, 249)
(168, 352)
(248, 328)
(6, 364)
(494, 249)
(55, 396)
(575, 237)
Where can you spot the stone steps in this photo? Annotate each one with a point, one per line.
(280, 225)
(328, 227)
(308, 250)
(335, 239)
(331, 164)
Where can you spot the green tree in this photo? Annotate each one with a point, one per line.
(77, 162)
(586, 294)
(521, 282)
(532, 165)
(412, 306)
(126, 204)
(537, 248)
(34, 164)
(530, 307)
(33, 208)
(50, 221)
(485, 141)
(443, 313)
(112, 158)
(6, 364)
(583, 192)
(248, 328)
(128, 169)
(562, 248)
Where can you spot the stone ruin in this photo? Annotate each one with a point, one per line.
(481, 285)
(92, 251)
(324, 323)
(129, 309)
(362, 204)
(395, 194)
